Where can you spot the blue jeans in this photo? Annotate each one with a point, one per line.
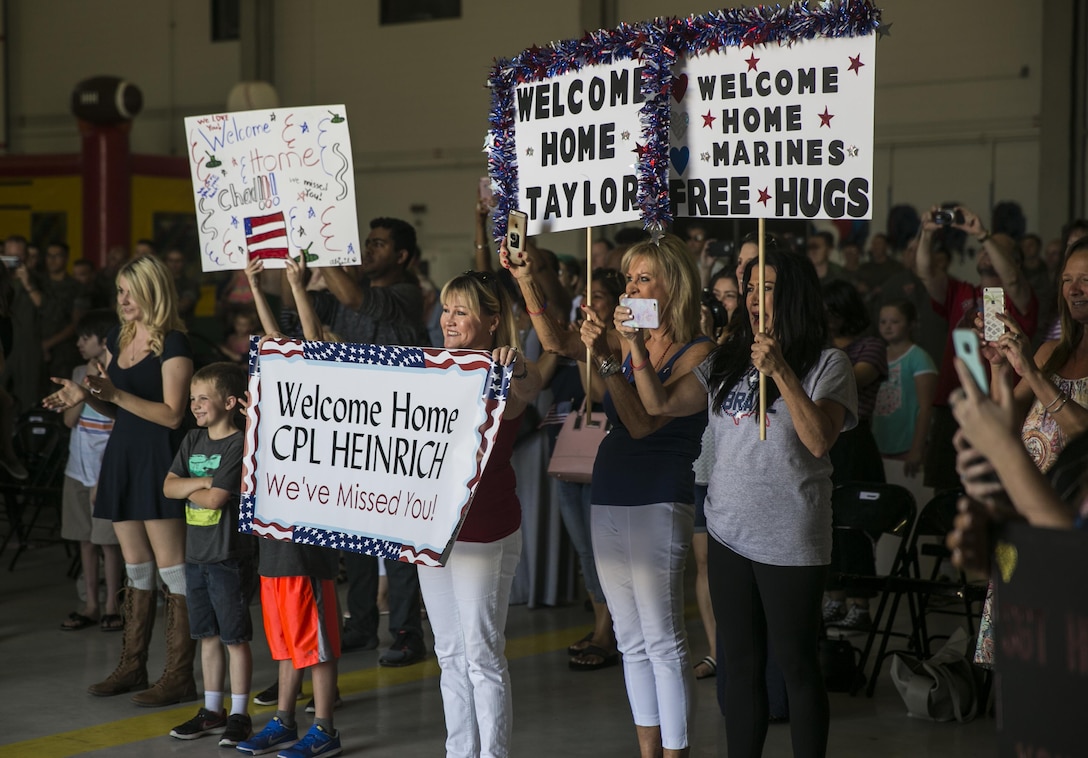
(574, 508)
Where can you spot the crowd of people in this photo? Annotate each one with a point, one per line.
(854, 391)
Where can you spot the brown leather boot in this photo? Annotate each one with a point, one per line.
(176, 684)
(131, 671)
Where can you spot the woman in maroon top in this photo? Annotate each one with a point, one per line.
(467, 599)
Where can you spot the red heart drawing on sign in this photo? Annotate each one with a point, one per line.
(679, 87)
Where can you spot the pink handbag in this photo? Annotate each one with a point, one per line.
(576, 446)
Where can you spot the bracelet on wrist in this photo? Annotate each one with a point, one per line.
(983, 237)
(1049, 406)
(640, 366)
(537, 313)
(524, 373)
(1065, 399)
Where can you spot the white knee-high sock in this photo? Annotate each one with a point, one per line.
(141, 575)
(174, 578)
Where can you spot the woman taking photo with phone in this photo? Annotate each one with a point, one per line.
(642, 525)
(768, 508)
(1052, 394)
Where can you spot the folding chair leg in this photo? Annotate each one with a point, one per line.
(882, 652)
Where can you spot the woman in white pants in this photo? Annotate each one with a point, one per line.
(643, 486)
(467, 599)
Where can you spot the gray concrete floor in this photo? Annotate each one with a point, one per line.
(386, 712)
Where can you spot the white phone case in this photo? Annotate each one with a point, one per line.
(993, 302)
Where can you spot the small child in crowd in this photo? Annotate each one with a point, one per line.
(904, 403)
(236, 345)
(298, 599)
(90, 432)
(219, 576)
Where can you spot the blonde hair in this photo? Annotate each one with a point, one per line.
(151, 286)
(673, 263)
(485, 296)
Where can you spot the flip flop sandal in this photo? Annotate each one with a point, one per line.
(712, 666)
(578, 648)
(112, 622)
(582, 662)
(77, 621)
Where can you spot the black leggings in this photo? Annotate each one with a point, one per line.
(755, 604)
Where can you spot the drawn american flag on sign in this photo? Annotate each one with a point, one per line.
(495, 391)
(266, 236)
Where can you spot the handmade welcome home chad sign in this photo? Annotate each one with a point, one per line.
(273, 184)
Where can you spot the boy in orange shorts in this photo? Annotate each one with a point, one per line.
(302, 624)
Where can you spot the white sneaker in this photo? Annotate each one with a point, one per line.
(857, 619)
(834, 611)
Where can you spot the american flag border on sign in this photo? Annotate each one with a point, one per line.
(496, 389)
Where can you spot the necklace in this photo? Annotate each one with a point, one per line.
(134, 351)
(661, 359)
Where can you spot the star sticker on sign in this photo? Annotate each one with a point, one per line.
(528, 151)
(708, 120)
(825, 118)
(852, 151)
(626, 135)
(855, 64)
(705, 156)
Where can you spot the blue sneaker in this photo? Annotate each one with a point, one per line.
(274, 736)
(316, 742)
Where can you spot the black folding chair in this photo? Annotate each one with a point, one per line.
(880, 511)
(935, 521)
(41, 441)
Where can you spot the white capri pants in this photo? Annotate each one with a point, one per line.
(467, 602)
(640, 553)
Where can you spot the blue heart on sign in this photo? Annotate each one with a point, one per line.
(679, 158)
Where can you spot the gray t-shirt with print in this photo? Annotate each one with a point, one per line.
(212, 536)
(770, 501)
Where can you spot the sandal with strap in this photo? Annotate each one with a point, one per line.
(112, 622)
(711, 668)
(594, 657)
(77, 621)
(579, 647)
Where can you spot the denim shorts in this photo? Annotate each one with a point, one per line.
(218, 596)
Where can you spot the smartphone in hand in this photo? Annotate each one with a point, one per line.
(516, 227)
(643, 312)
(965, 342)
(993, 303)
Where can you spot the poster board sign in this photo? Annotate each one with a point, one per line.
(733, 51)
(775, 132)
(273, 183)
(576, 137)
(375, 449)
(1040, 641)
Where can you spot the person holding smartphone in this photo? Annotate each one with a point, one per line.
(957, 302)
(643, 489)
(769, 514)
(1051, 396)
(1052, 392)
